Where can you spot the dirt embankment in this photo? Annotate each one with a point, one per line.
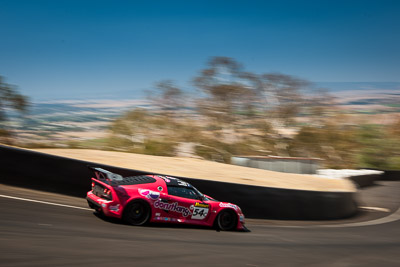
(202, 169)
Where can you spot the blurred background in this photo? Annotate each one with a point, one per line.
(216, 80)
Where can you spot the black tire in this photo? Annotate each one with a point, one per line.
(227, 220)
(137, 212)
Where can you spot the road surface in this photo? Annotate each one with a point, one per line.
(43, 229)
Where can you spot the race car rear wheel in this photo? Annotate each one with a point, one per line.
(227, 220)
(137, 212)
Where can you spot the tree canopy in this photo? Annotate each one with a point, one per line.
(10, 98)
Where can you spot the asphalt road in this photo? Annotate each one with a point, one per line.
(42, 234)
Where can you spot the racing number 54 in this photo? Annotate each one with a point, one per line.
(199, 213)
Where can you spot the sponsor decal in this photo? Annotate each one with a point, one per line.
(182, 183)
(201, 205)
(158, 214)
(168, 179)
(165, 179)
(227, 205)
(166, 219)
(172, 207)
(149, 194)
(114, 208)
(199, 211)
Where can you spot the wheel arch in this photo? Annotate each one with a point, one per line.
(134, 199)
(215, 223)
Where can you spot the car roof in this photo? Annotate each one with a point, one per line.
(172, 181)
(146, 179)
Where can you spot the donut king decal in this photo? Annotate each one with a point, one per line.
(153, 195)
(200, 211)
(172, 207)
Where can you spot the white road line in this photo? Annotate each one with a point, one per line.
(391, 218)
(44, 202)
(375, 209)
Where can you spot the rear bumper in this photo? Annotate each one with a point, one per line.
(107, 207)
(93, 204)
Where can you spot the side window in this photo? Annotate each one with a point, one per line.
(182, 192)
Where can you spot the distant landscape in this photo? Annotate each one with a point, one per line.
(54, 122)
(87, 123)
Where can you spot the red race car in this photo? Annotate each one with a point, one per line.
(155, 198)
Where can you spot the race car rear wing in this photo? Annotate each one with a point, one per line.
(114, 179)
(104, 174)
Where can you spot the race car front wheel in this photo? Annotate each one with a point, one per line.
(227, 220)
(137, 212)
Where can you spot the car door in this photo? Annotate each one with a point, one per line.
(164, 208)
(189, 207)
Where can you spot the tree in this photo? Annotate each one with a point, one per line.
(379, 147)
(133, 125)
(228, 90)
(9, 99)
(168, 97)
(139, 131)
(283, 95)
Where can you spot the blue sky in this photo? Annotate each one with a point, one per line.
(77, 49)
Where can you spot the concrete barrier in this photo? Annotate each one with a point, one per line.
(390, 176)
(41, 171)
(370, 179)
(278, 164)
(365, 180)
